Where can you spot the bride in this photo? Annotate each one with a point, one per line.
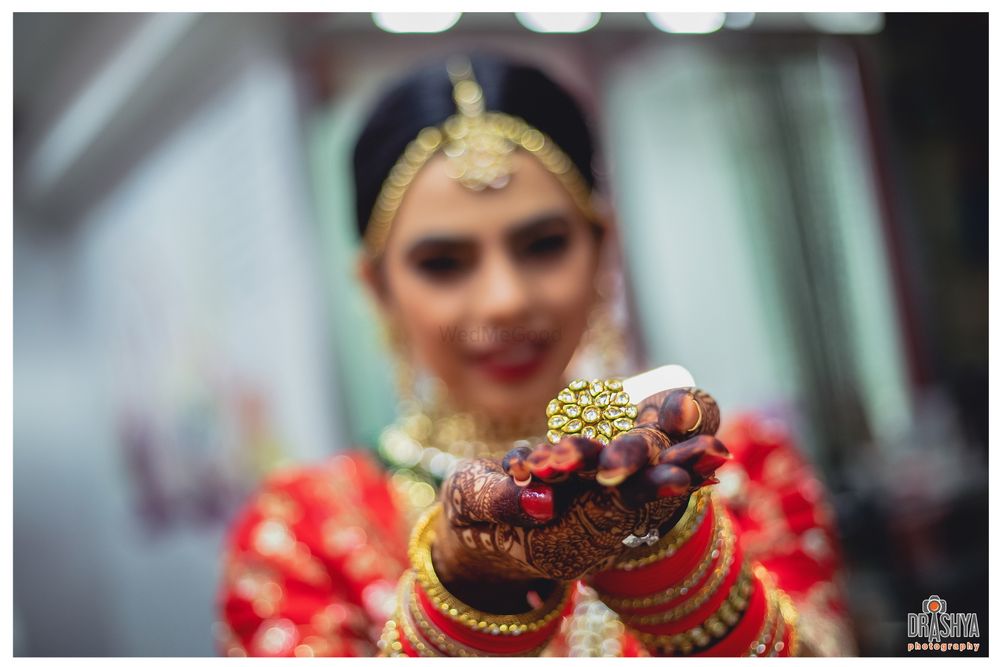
(512, 509)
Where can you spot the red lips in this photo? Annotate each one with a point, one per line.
(514, 363)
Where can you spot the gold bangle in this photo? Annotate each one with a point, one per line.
(715, 626)
(781, 614)
(404, 623)
(677, 536)
(423, 650)
(713, 553)
(768, 629)
(719, 575)
(791, 617)
(388, 644)
(778, 642)
(496, 624)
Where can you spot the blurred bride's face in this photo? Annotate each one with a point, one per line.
(491, 290)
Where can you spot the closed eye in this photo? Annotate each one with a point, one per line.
(442, 259)
(543, 239)
(440, 267)
(547, 247)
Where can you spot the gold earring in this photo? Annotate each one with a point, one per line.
(604, 342)
(406, 379)
(608, 339)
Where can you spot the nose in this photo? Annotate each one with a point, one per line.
(502, 295)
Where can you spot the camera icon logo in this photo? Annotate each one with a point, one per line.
(934, 604)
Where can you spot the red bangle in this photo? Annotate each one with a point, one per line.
(736, 641)
(683, 601)
(411, 633)
(663, 572)
(736, 576)
(499, 643)
(406, 647)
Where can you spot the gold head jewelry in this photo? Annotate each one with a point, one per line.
(478, 157)
(479, 146)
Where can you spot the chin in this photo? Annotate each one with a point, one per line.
(517, 401)
(514, 414)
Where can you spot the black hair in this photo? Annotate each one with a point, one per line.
(423, 98)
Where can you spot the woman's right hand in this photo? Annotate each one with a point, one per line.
(583, 500)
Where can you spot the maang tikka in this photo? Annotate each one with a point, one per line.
(479, 157)
(479, 145)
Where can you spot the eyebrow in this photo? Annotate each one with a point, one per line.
(525, 228)
(432, 245)
(537, 224)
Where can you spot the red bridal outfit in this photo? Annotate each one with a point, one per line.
(317, 565)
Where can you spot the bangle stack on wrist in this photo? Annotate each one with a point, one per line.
(668, 545)
(430, 621)
(694, 592)
(688, 612)
(659, 608)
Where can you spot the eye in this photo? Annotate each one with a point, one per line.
(545, 247)
(441, 267)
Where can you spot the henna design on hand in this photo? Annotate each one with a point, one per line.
(561, 511)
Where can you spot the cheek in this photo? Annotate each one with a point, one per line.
(568, 290)
(428, 316)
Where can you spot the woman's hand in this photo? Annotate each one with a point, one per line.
(561, 511)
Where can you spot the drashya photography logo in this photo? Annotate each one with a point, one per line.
(935, 625)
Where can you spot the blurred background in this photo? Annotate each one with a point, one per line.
(186, 317)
